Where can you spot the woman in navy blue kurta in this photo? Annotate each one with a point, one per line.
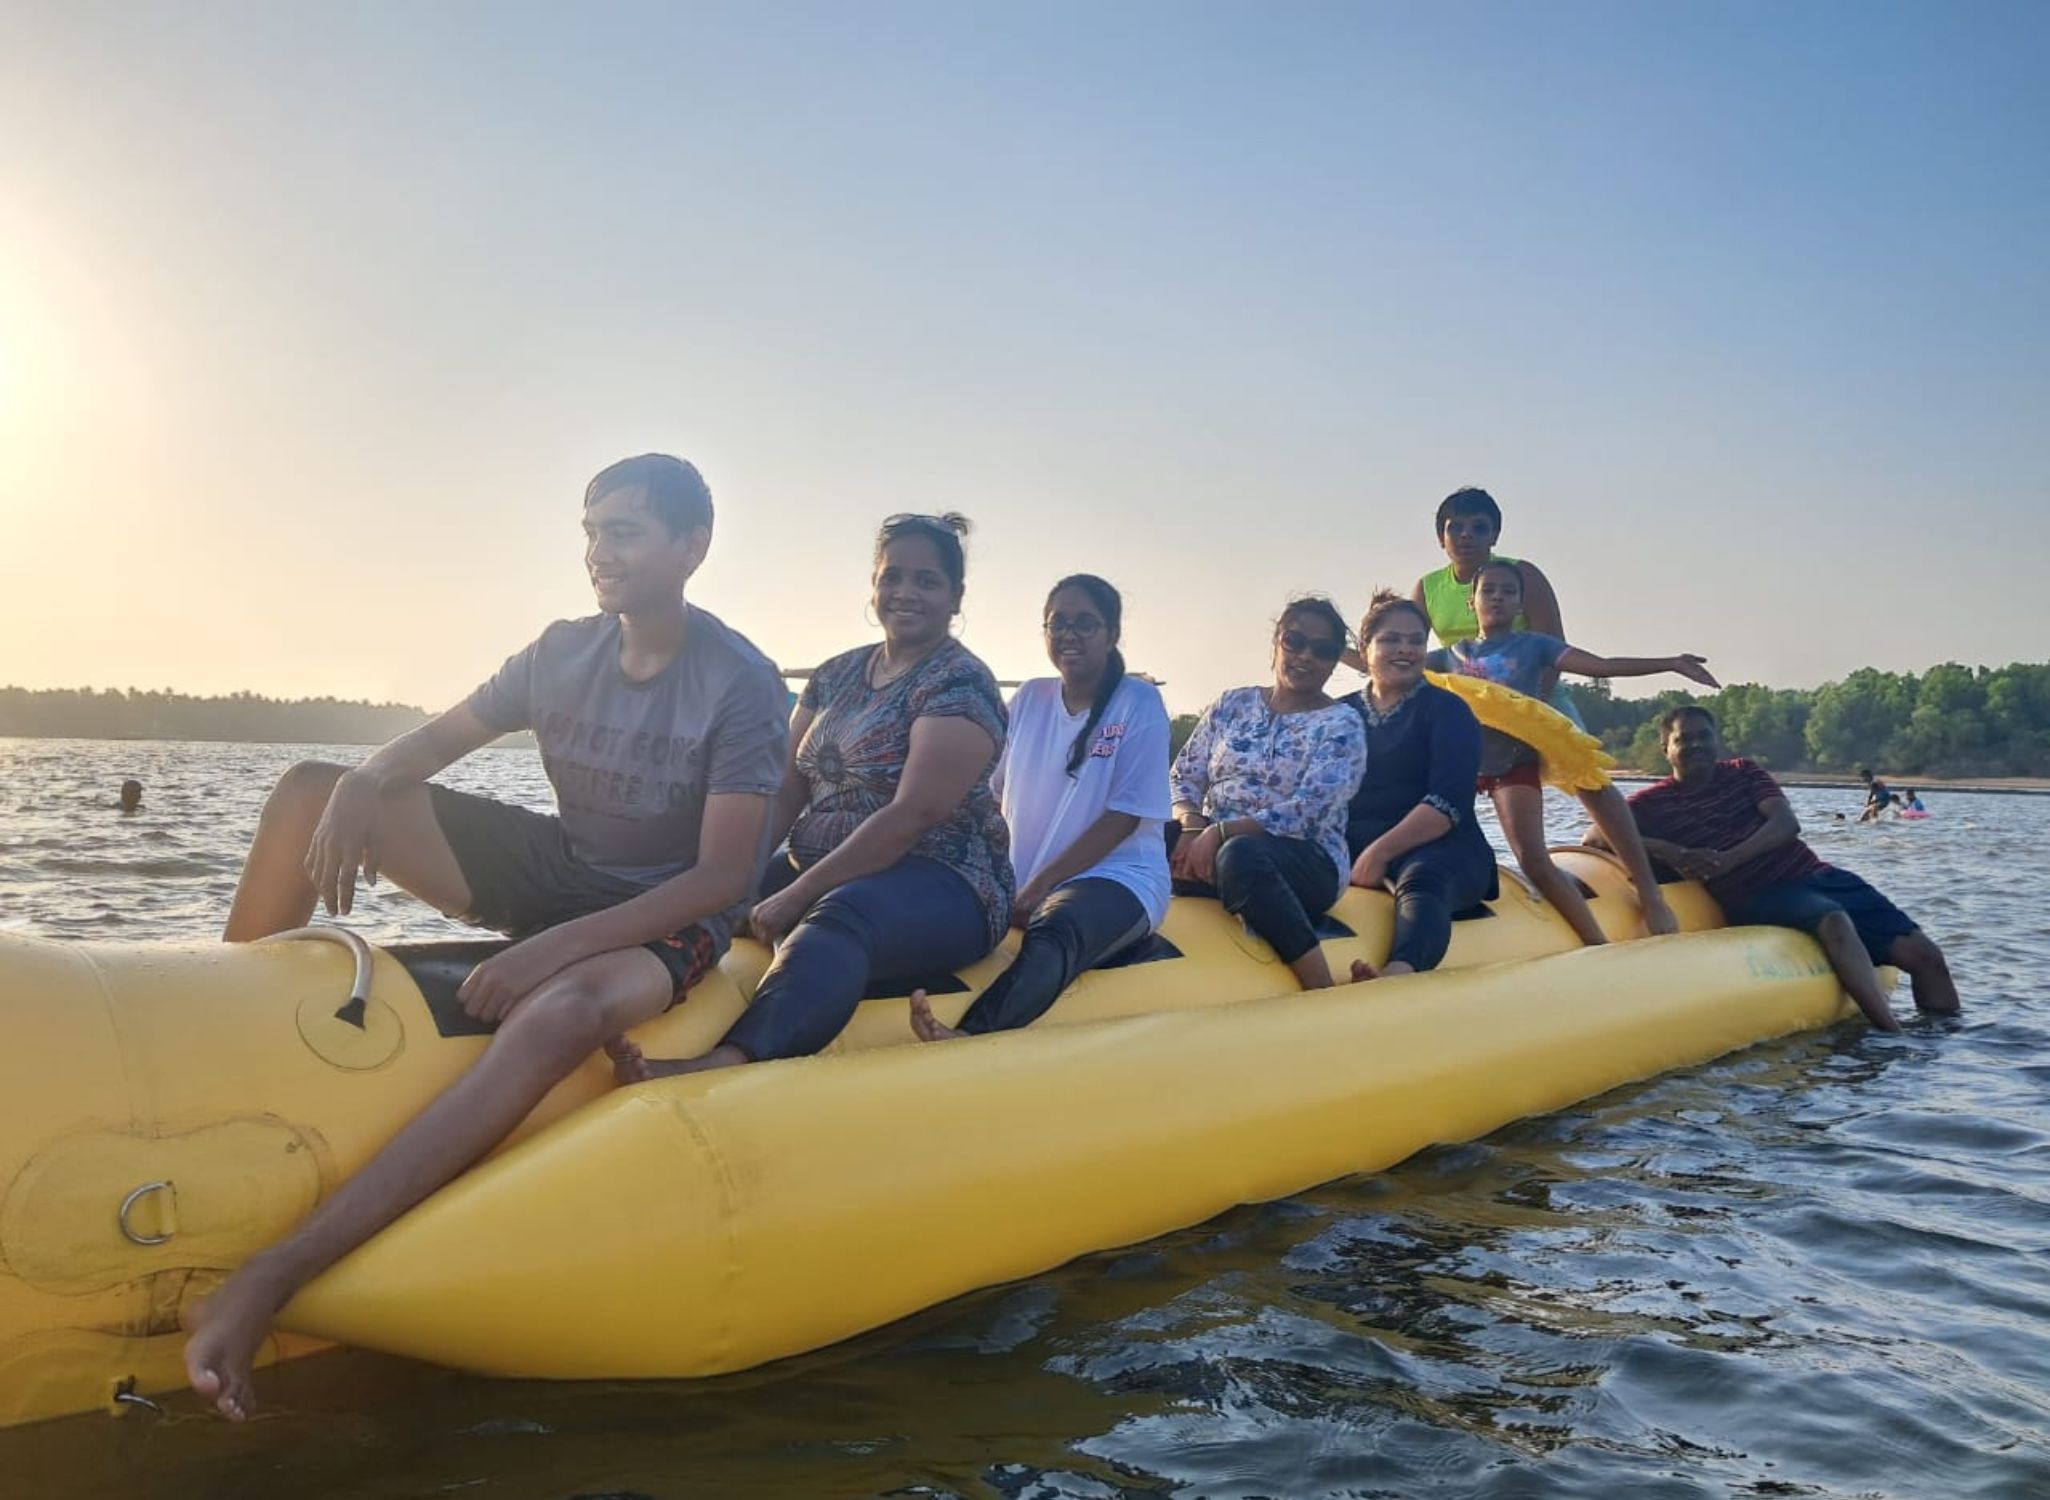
(1411, 824)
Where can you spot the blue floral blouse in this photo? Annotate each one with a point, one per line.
(1294, 774)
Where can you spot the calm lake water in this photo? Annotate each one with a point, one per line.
(1820, 1267)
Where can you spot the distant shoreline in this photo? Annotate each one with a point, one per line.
(519, 739)
(2027, 786)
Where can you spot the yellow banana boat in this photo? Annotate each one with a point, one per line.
(166, 1110)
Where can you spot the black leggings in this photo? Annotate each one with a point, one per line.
(1080, 925)
(1276, 886)
(1431, 883)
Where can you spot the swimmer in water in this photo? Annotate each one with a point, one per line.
(131, 795)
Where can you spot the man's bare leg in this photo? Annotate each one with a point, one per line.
(1853, 965)
(1610, 811)
(1522, 813)
(274, 894)
(1922, 961)
(550, 1032)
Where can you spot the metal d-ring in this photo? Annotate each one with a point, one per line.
(129, 1203)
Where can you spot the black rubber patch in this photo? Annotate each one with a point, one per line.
(938, 984)
(1473, 914)
(439, 969)
(1329, 927)
(1667, 874)
(1586, 890)
(1150, 950)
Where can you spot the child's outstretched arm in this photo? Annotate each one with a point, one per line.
(1587, 664)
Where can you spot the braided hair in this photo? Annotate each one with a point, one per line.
(1112, 608)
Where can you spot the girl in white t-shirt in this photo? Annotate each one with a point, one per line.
(1083, 782)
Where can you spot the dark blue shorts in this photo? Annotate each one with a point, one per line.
(1802, 904)
(524, 877)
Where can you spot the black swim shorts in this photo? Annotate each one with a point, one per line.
(524, 877)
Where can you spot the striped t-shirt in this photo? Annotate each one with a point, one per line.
(1721, 813)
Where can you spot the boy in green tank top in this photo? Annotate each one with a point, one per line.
(1469, 522)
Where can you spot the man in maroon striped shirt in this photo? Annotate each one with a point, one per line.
(1727, 824)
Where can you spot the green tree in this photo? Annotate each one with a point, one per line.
(1768, 724)
(1853, 721)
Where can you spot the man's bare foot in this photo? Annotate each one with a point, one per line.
(1659, 920)
(927, 1026)
(228, 1329)
(631, 1065)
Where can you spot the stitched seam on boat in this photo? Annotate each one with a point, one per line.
(700, 1138)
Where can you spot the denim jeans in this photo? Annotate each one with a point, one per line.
(909, 922)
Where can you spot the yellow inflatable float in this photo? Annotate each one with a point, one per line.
(165, 1110)
(1569, 758)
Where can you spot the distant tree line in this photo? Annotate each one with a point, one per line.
(1947, 721)
(85, 713)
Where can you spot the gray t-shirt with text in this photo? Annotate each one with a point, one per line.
(633, 762)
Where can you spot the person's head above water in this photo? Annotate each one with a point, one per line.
(1309, 638)
(647, 527)
(1692, 741)
(921, 573)
(1864, 774)
(1083, 618)
(1469, 524)
(1497, 595)
(131, 795)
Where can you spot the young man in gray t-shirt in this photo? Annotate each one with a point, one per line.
(662, 731)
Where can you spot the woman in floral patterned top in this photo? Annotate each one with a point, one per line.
(899, 862)
(1261, 788)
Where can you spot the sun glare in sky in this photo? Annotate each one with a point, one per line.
(314, 323)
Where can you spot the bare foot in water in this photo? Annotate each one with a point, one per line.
(228, 1329)
(927, 1026)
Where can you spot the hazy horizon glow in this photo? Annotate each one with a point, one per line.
(314, 324)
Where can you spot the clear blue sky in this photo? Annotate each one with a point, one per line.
(313, 323)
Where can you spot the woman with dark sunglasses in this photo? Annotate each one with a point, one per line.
(1084, 789)
(1261, 788)
(1410, 827)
